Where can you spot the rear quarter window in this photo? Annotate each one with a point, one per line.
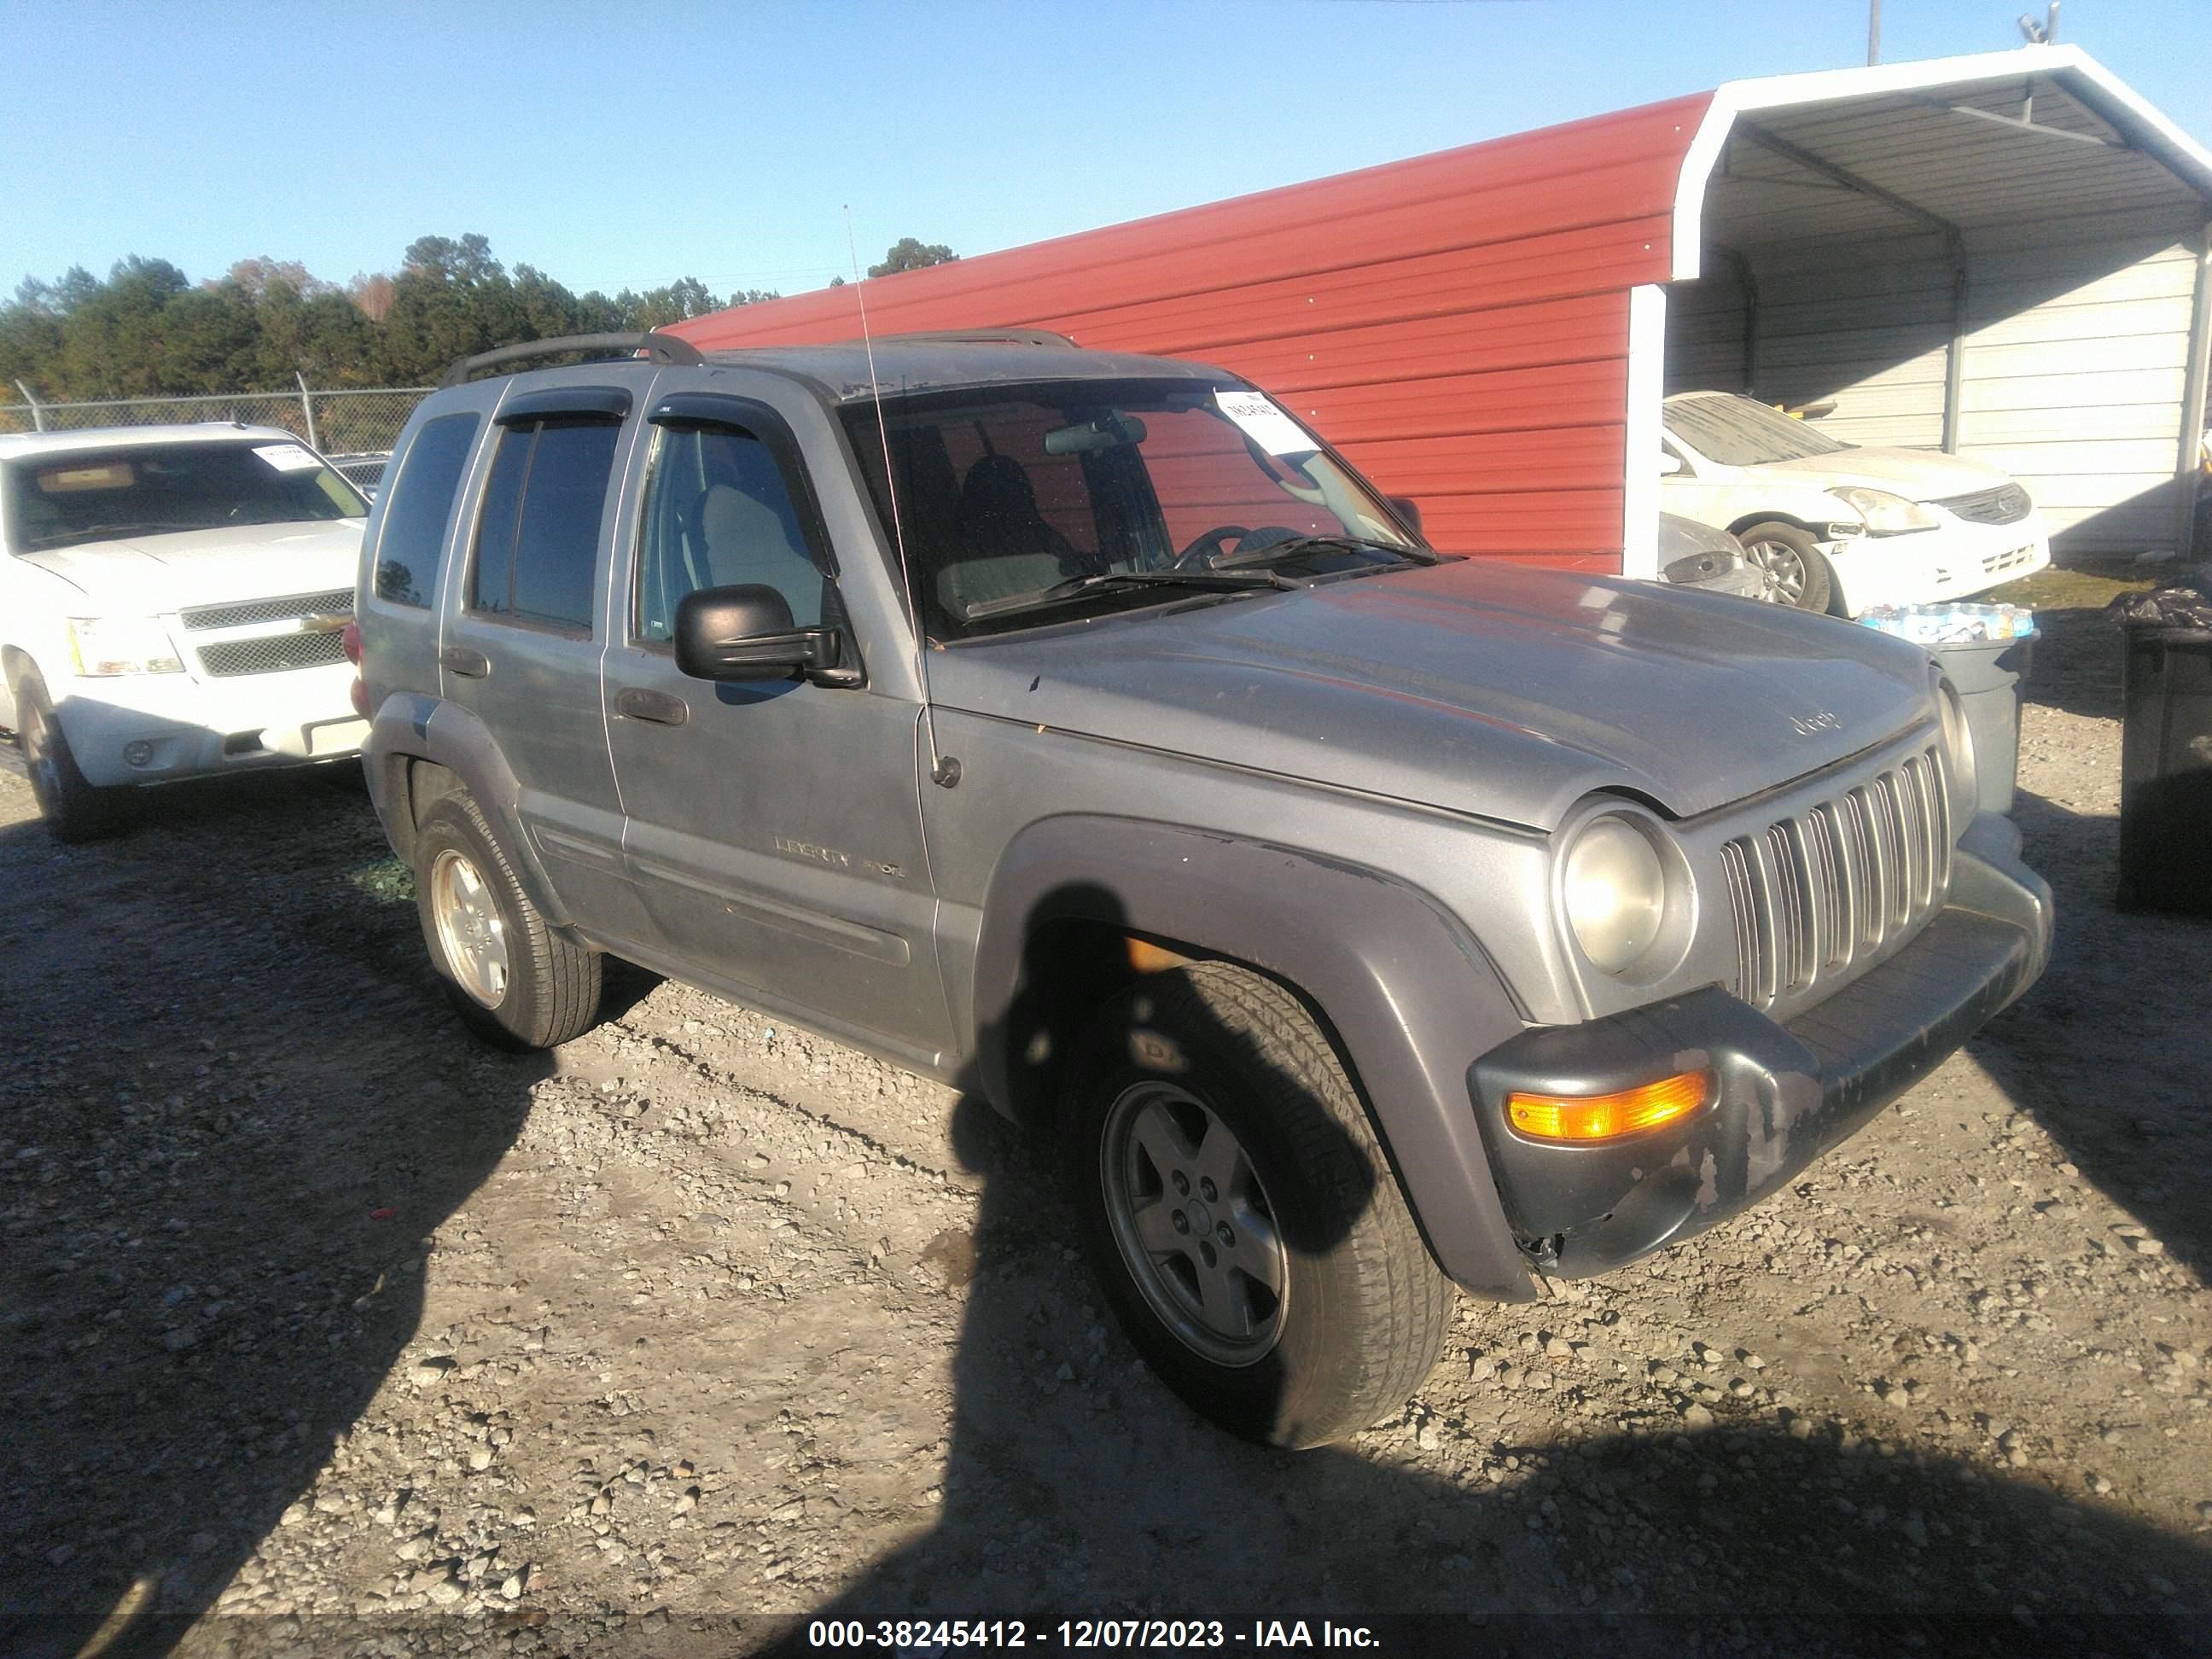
(418, 510)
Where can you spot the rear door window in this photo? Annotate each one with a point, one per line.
(538, 536)
(419, 510)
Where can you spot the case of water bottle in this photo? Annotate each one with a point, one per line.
(1954, 621)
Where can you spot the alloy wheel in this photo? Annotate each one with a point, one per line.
(37, 740)
(1784, 569)
(1193, 1222)
(470, 930)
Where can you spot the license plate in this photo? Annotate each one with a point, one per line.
(336, 736)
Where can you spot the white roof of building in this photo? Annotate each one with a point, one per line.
(1953, 143)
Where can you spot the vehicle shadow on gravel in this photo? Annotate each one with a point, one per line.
(240, 1110)
(2075, 663)
(2134, 1117)
(1102, 1496)
(1075, 1486)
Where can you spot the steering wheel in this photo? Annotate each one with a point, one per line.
(1205, 548)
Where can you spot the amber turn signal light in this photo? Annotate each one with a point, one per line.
(1607, 1117)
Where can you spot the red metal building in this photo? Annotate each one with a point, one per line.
(1948, 251)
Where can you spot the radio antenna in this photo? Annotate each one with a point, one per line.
(944, 771)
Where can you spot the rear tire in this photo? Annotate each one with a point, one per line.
(1235, 1206)
(1796, 574)
(515, 983)
(75, 809)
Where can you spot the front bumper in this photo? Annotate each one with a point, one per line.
(1953, 561)
(1786, 1093)
(190, 727)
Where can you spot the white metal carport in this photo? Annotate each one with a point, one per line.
(2006, 256)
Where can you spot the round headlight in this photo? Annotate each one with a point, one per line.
(1959, 757)
(1616, 892)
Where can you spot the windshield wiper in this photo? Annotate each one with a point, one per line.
(1108, 581)
(102, 531)
(1292, 545)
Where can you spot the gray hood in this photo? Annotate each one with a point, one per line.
(1484, 689)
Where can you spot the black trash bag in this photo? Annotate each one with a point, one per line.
(2182, 602)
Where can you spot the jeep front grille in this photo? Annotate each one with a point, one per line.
(273, 653)
(1813, 893)
(2005, 504)
(338, 602)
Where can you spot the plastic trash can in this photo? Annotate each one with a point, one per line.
(1987, 673)
(1984, 651)
(2166, 765)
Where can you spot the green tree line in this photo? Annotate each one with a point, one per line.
(149, 330)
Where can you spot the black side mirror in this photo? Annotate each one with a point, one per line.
(1407, 509)
(745, 632)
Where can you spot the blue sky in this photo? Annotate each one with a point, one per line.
(627, 146)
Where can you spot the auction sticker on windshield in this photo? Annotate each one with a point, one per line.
(1264, 423)
(285, 457)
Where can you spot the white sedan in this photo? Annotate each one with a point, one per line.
(1840, 528)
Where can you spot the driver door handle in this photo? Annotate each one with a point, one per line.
(637, 703)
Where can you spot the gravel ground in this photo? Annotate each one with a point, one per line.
(329, 1331)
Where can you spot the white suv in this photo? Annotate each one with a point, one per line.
(1836, 528)
(172, 603)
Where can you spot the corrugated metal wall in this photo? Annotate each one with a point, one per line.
(1457, 323)
(2076, 351)
(1863, 320)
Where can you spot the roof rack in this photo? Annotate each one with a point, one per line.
(1035, 336)
(656, 346)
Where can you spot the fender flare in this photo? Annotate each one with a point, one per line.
(409, 727)
(36, 636)
(13, 660)
(15, 657)
(1407, 991)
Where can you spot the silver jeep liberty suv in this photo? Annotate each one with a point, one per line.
(1358, 922)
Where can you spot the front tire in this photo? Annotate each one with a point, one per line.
(515, 983)
(1796, 574)
(1234, 1202)
(75, 809)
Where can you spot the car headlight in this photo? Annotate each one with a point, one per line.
(1614, 888)
(1886, 514)
(105, 646)
(1959, 757)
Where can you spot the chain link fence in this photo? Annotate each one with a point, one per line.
(349, 422)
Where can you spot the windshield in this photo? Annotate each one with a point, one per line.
(1005, 494)
(1740, 432)
(159, 488)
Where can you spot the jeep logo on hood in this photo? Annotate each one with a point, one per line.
(1807, 726)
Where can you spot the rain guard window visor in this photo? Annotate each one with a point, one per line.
(1006, 490)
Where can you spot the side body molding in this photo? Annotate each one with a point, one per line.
(1407, 991)
(409, 727)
